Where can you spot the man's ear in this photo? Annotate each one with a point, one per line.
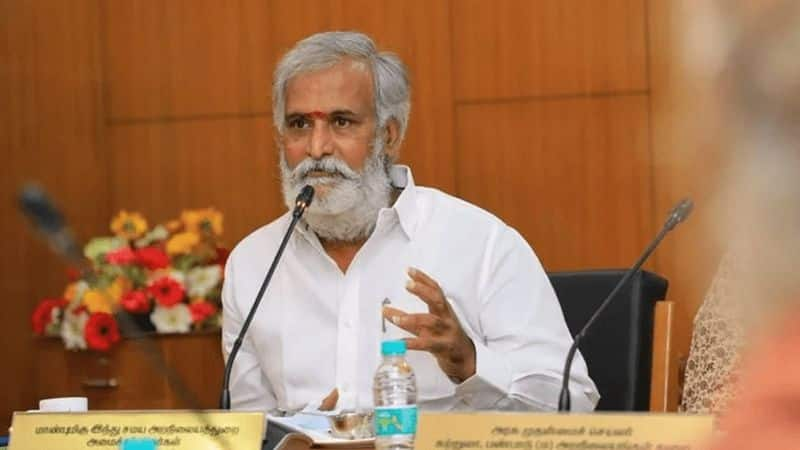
(391, 138)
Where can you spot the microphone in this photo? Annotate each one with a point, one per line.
(301, 203)
(49, 222)
(678, 214)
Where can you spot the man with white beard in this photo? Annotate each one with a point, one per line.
(466, 292)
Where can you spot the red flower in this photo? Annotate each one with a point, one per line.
(153, 258)
(166, 291)
(122, 256)
(73, 273)
(101, 331)
(43, 314)
(202, 311)
(135, 302)
(222, 257)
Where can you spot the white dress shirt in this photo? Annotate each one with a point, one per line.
(318, 328)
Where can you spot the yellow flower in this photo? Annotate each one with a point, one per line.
(173, 226)
(128, 225)
(97, 301)
(206, 221)
(120, 286)
(182, 243)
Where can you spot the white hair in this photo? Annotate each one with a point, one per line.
(389, 76)
(348, 212)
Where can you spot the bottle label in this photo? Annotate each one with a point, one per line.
(391, 420)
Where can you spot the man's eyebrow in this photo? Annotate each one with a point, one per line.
(320, 114)
(343, 112)
(307, 115)
(295, 115)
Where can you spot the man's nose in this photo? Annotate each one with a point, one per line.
(321, 142)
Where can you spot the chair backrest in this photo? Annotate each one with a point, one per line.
(618, 347)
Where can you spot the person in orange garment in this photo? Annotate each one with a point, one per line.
(766, 412)
(760, 97)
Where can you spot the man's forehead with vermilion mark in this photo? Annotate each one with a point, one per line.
(317, 115)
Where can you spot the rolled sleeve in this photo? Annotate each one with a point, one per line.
(489, 384)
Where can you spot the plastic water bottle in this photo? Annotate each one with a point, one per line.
(395, 392)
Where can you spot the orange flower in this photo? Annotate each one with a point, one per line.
(204, 221)
(128, 225)
(70, 291)
(182, 243)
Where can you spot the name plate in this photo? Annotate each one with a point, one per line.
(105, 430)
(617, 431)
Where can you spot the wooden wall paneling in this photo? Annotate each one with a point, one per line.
(416, 30)
(231, 164)
(520, 48)
(50, 127)
(176, 58)
(573, 176)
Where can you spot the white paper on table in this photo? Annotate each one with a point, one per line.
(317, 427)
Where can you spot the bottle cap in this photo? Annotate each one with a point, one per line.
(397, 347)
(139, 444)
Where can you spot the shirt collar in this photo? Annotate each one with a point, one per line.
(406, 204)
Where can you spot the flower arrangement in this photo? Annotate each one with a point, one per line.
(165, 279)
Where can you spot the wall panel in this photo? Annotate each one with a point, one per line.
(230, 164)
(521, 48)
(50, 132)
(572, 176)
(176, 58)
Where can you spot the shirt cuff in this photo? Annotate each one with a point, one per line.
(489, 384)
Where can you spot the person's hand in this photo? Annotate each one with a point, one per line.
(329, 402)
(437, 331)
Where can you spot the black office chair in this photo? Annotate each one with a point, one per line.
(618, 347)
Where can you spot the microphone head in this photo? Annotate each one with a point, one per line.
(679, 213)
(35, 204)
(303, 200)
(48, 221)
